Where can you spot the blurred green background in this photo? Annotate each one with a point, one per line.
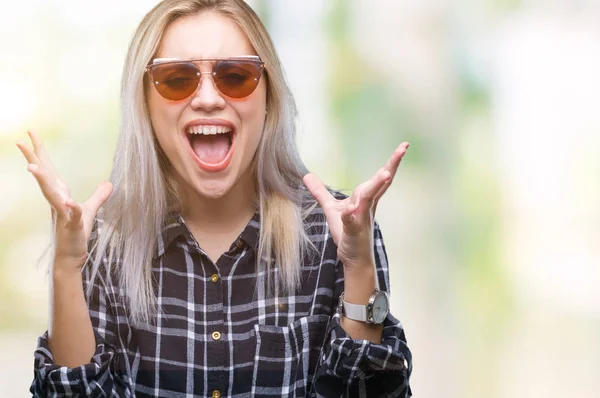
(491, 225)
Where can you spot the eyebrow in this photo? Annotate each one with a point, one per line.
(163, 60)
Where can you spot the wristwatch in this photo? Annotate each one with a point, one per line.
(375, 311)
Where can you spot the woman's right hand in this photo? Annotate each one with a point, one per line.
(72, 221)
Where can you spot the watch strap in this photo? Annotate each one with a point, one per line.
(356, 312)
(362, 312)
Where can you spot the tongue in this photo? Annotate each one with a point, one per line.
(210, 148)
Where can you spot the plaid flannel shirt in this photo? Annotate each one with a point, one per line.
(219, 333)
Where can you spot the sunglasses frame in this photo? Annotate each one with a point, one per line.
(245, 58)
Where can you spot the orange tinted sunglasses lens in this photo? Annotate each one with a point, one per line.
(177, 81)
(237, 79)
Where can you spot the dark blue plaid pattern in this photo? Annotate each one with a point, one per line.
(219, 331)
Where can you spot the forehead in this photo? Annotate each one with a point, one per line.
(205, 35)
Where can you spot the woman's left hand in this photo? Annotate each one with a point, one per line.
(351, 220)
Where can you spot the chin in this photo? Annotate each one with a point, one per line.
(213, 190)
(215, 186)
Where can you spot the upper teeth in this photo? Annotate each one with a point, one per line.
(208, 130)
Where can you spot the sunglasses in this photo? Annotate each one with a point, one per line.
(176, 80)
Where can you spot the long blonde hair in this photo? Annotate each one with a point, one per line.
(145, 193)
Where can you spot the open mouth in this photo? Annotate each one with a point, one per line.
(211, 146)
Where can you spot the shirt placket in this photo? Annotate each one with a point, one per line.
(214, 338)
(217, 339)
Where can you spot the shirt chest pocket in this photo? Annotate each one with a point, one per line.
(286, 357)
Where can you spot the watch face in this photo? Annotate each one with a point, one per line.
(380, 308)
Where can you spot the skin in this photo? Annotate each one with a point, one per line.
(216, 201)
(70, 334)
(220, 202)
(351, 222)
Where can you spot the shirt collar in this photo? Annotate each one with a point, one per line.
(175, 227)
(171, 230)
(251, 233)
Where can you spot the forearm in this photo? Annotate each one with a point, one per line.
(359, 284)
(70, 333)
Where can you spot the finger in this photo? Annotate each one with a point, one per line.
(75, 211)
(392, 166)
(318, 190)
(53, 196)
(363, 195)
(100, 195)
(373, 186)
(40, 151)
(394, 160)
(28, 152)
(348, 215)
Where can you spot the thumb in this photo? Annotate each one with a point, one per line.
(100, 195)
(317, 189)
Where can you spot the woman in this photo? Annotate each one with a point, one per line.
(169, 306)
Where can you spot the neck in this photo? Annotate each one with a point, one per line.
(223, 214)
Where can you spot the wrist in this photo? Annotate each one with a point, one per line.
(359, 284)
(360, 270)
(357, 264)
(373, 312)
(66, 267)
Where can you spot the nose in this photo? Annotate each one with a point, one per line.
(207, 96)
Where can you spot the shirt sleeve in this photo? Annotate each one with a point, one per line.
(100, 377)
(360, 368)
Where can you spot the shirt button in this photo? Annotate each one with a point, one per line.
(216, 336)
(214, 278)
(216, 394)
(240, 244)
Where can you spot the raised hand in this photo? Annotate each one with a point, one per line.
(351, 220)
(72, 221)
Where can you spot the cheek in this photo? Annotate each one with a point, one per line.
(164, 121)
(254, 126)
(253, 115)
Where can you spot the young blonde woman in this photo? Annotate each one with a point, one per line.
(213, 263)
